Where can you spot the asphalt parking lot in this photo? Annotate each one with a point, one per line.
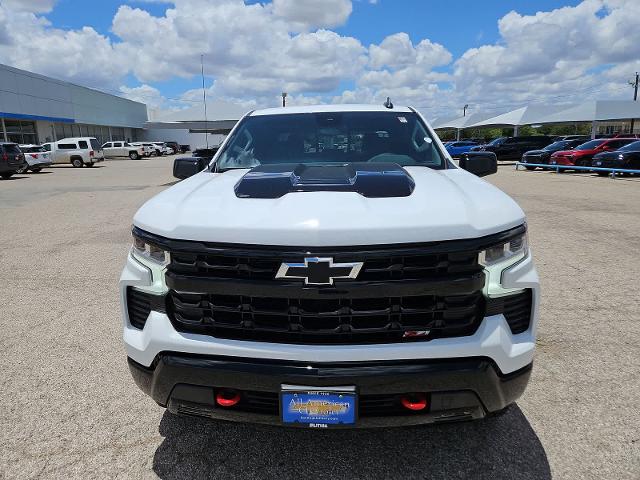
(71, 410)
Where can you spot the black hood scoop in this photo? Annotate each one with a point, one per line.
(372, 180)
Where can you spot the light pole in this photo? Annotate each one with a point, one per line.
(634, 84)
(284, 99)
(464, 110)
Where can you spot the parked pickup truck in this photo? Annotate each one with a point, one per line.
(77, 151)
(123, 149)
(331, 267)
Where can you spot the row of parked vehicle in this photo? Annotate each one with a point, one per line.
(571, 150)
(78, 151)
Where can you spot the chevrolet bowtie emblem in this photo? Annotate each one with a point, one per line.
(319, 271)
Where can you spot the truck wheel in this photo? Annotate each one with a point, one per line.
(90, 164)
(529, 167)
(134, 156)
(36, 169)
(77, 162)
(6, 175)
(23, 169)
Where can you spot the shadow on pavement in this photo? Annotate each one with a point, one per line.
(14, 177)
(504, 447)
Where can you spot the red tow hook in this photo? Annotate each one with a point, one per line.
(414, 401)
(227, 398)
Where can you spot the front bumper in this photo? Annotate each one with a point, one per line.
(458, 389)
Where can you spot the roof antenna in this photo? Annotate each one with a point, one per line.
(388, 103)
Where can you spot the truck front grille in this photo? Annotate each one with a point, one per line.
(403, 293)
(327, 321)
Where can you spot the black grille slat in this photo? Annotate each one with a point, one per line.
(382, 266)
(516, 309)
(331, 321)
(139, 306)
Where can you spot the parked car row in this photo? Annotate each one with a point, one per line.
(78, 151)
(621, 153)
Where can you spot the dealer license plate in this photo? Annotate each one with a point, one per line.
(326, 408)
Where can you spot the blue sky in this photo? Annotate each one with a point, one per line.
(436, 55)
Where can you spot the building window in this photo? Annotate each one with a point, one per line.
(21, 132)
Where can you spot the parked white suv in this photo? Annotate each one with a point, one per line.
(77, 151)
(122, 149)
(331, 267)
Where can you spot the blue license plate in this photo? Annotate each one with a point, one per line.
(318, 409)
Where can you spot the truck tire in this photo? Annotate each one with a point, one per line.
(6, 175)
(90, 164)
(36, 169)
(23, 169)
(77, 162)
(134, 155)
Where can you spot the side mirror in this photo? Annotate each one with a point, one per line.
(479, 163)
(189, 166)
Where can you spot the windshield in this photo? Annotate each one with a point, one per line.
(589, 145)
(11, 149)
(561, 145)
(632, 147)
(331, 137)
(497, 141)
(32, 149)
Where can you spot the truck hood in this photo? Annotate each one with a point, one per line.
(444, 205)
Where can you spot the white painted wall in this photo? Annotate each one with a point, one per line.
(182, 136)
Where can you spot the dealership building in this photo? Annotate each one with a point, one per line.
(37, 109)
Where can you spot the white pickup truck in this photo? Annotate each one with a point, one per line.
(77, 151)
(331, 267)
(123, 149)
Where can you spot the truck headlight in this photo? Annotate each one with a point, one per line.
(507, 252)
(497, 258)
(149, 252)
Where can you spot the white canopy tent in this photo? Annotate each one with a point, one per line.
(460, 123)
(593, 111)
(596, 111)
(528, 115)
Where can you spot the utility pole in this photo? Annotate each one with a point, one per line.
(464, 110)
(284, 99)
(634, 84)
(204, 100)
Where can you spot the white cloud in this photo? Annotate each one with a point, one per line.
(35, 6)
(311, 14)
(145, 94)
(247, 48)
(83, 56)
